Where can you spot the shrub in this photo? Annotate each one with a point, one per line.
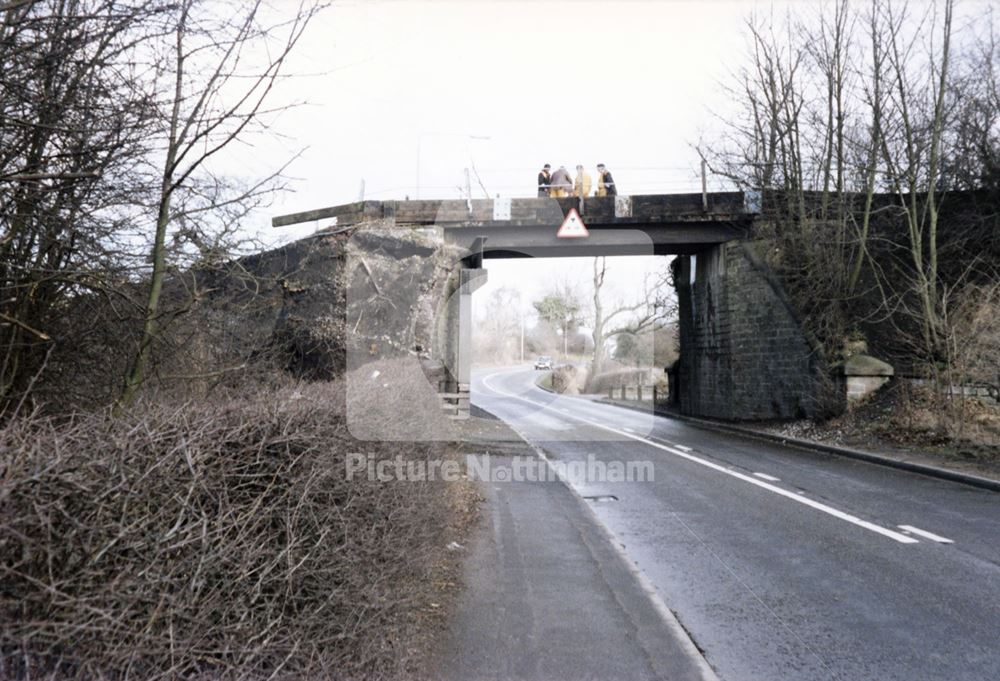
(569, 379)
(210, 540)
(623, 377)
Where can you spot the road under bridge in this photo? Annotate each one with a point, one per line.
(744, 354)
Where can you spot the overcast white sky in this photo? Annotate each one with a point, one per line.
(631, 84)
(504, 86)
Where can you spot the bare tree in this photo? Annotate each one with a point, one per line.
(870, 143)
(211, 94)
(499, 325)
(759, 148)
(623, 318)
(974, 137)
(860, 142)
(113, 115)
(913, 157)
(70, 126)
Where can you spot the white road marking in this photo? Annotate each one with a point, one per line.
(671, 444)
(769, 478)
(823, 508)
(926, 535)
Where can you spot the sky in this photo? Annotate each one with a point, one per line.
(403, 96)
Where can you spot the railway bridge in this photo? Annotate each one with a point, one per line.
(743, 352)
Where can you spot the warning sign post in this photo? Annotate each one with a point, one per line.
(572, 227)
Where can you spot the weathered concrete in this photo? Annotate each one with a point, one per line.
(861, 375)
(326, 303)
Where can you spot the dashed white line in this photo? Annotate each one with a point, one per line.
(926, 535)
(671, 444)
(769, 478)
(823, 508)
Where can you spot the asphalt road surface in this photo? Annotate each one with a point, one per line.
(783, 563)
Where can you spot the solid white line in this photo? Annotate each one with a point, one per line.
(683, 448)
(767, 477)
(823, 508)
(926, 535)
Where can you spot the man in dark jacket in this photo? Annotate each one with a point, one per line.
(562, 183)
(544, 180)
(605, 183)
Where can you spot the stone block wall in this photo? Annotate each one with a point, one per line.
(744, 354)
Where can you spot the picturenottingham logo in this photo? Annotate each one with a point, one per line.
(487, 468)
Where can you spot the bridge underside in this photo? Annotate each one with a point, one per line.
(540, 241)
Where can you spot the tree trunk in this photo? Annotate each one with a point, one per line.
(137, 372)
(596, 364)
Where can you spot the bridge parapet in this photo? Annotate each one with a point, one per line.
(604, 211)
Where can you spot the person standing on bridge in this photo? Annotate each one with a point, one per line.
(581, 187)
(562, 183)
(544, 181)
(605, 183)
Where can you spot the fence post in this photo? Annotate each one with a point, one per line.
(654, 394)
(638, 392)
(611, 392)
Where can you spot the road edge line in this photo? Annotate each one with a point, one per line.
(812, 445)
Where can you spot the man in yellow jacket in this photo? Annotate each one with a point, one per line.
(581, 186)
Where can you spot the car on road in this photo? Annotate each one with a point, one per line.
(543, 362)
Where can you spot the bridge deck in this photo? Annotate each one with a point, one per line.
(506, 228)
(604, 211)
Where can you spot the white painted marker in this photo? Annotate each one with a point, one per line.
(926, 535)
(767, 477)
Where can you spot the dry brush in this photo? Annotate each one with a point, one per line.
(218, 539)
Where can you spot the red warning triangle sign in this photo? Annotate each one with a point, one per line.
(572, 227)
